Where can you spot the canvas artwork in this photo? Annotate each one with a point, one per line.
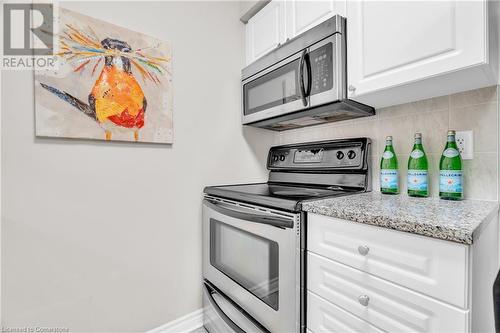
(111, 84)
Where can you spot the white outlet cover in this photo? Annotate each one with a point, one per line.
(465, 143)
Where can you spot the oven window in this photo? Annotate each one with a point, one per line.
(274, 88)
(249, 260)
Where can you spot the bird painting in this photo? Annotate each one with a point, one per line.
(117, 103)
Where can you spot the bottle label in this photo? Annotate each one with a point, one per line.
(450, 181)
(450, 152)
(389, 179)
(417, 180)
(387, 155)
(417, 153)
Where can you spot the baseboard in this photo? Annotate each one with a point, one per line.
(184, 324)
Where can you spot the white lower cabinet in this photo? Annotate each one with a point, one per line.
(434, 267)
(325, 317)
(381, 303)
(363, 278)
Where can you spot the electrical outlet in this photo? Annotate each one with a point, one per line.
(465, 143)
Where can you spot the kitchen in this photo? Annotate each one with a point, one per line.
(415, 264)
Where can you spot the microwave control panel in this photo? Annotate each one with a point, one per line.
(321, 61)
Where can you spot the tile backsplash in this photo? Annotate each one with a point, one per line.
(475, 110)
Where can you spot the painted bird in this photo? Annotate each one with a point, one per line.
(116, 99)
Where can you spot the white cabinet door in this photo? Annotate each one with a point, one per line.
(387, 306)
(325, 317)
(434, 267)
(265, 30)
(395, 43)
(303, 15)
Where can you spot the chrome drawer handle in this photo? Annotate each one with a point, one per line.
(363, 300)
(363, 250)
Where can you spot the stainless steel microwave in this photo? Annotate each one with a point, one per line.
(302, 82)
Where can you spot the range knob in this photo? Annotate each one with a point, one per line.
(282, 158)
(340, 155)
(351, 154)
(275, 158)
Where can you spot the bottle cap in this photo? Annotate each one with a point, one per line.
(418, 135)
(451, 132)
(388, 138)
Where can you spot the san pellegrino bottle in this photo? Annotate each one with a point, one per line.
(450, 170)
(418, 169)
(389, 180)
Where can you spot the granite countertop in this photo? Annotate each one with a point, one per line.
(458, 221)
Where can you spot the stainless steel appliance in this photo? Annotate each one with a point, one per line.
(302, 82)
(254, 235)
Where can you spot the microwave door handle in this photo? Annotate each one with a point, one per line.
(257, 218)
(302, 63)
(238, 322)
(307, 62)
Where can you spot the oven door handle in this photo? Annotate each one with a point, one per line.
(257, 218)
(240, 323)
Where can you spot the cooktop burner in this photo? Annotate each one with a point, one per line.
(296, 193)
(287, 197)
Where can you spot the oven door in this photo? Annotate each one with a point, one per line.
(252, 256)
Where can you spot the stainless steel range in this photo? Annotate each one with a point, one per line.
(254, 235)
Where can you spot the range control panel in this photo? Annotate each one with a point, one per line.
(335, 154)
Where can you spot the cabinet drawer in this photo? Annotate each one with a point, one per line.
(434, 267)
(325, 317)
(389, 307)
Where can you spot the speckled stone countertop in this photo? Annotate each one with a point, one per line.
(458, 221)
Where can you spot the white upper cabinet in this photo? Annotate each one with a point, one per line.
(265, 30)
(399, 51)
(284, 19)
(303, 15)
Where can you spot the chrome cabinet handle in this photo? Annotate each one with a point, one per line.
(363, 300)
(351, 88)
(363, 250)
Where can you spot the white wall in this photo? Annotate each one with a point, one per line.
(106, 237)
(249, 8)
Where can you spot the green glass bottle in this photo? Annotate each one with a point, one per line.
(418, 169)
(450, 171)
(389, 180)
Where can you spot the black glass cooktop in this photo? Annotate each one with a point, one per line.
(279, 196)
